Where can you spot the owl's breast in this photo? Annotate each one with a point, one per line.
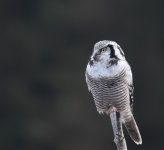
(102, 69)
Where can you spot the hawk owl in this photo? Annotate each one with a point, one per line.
(109, 79)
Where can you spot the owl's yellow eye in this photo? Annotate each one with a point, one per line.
(103, 49)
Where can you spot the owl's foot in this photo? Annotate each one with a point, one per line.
(111, 109)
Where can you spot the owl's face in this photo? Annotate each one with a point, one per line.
(107, 52)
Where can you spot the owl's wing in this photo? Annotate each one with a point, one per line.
(129, 82)
(131, 95)
(88, 83)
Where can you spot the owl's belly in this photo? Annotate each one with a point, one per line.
(109, 92)
(105, 97)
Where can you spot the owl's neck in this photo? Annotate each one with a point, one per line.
(104, 69)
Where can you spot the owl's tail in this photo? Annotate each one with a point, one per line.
(133, 130)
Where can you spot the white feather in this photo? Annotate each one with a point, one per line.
(100, 69)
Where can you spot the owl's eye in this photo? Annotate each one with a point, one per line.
(103, 49)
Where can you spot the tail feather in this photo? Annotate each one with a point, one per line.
(133, 130)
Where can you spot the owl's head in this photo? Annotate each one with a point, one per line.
(107, 51)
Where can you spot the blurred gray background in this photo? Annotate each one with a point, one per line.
(44, 49)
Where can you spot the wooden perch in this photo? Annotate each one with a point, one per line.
(118, 131)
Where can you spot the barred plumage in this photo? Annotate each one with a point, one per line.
(111, 91)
